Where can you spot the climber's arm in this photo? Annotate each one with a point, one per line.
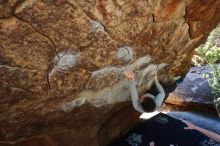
(159, 87)
(134, 95)
(160, 96)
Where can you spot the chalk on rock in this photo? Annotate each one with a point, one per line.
(99, 102)
(104, 77)
(67, 107)
(141, 63)
(150, 70)
(66, 61)
(162, 65)
(125, 53)
(97, 27)
(105, 71)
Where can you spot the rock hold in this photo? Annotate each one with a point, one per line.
(125, 54)
(66, 61)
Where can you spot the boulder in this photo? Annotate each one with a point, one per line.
(62, 63)
(194, 89)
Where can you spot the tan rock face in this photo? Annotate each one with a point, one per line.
(62, 63)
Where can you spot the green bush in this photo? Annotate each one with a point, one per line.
(209, 53)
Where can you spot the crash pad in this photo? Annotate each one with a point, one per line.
(163, 130)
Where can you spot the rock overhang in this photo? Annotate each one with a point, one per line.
(56, 56)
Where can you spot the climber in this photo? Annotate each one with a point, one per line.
(147, 102)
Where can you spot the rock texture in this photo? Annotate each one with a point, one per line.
(62, 63)
(194, 92)
(193, 89)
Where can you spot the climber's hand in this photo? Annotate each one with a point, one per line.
(129, 75)
(156, 78)
(142, 98)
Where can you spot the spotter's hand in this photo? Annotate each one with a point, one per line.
(189, 125)
(129, 75)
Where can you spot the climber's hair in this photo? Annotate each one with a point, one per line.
(148, 104)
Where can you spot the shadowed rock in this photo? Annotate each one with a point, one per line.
(193, 89)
